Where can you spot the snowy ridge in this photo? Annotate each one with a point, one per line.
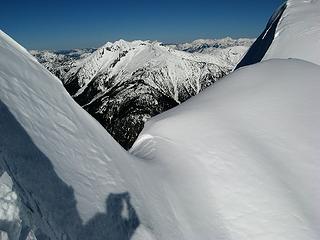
(292, 32)
(298, 32)
(46, 142)
(119, 61)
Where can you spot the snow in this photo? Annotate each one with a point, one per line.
(242, 158)
(295, 33)
(207, 45)
(238, 161)
(64, 136)
(164, 68)
(298, 32)
(10, 221)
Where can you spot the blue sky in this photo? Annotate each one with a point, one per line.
(65, 24)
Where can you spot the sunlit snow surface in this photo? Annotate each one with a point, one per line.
(238, 161)
(242, 158)
(298, 32)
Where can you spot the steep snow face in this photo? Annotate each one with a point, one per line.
(243, 156)
(49, 147)
(292, 32)
(224, 165)
(298, 32)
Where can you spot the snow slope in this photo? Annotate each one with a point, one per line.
(238, 161)
(298, 32)
(49, 147)
(292, 32)
(244, 154)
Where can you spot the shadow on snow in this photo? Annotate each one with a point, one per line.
(49, 200)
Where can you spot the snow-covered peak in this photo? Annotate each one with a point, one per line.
(123, 45)
(122, 60)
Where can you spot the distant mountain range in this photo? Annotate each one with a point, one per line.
(211, 45)
(123, 84)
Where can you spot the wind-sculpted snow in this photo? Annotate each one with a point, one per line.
(298, 32)
(292, 32)
(238, 161)
(50, 148)
(246, 153)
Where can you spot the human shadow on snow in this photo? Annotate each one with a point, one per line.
(49, 200)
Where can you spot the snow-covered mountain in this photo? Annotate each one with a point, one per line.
(123, 84)
(60, 62)
(211, 45)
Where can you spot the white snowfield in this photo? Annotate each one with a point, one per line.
(238, 161)
(298, 32)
